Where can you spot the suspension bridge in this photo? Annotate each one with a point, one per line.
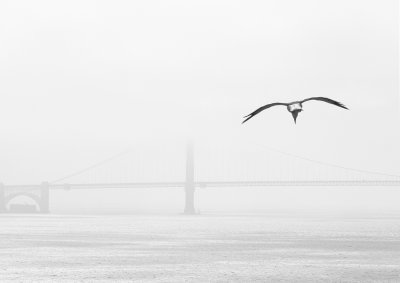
(265, 169)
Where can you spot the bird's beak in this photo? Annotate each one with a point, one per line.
(294, 114)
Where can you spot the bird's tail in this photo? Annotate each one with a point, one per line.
(295, 114)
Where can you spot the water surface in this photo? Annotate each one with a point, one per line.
(202, 248)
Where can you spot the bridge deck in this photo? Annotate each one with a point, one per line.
(215, 184)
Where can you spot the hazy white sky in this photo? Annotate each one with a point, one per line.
(80, 74)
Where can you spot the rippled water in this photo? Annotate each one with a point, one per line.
(202, 248)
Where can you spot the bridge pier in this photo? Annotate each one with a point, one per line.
(2, 199)
(189, 183)
(44, 204)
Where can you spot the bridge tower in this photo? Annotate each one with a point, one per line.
(189, 182)
(2, 198)
(44, 198)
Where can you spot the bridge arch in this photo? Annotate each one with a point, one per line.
(37, 199)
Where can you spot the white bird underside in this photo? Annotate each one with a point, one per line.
(294, 106)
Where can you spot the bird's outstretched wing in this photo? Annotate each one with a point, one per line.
(328, 100)
(261, 109)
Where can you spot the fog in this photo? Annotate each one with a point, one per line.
(123, 156)
(82, 81)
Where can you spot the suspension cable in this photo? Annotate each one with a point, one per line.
(323, 162)
(84, 170)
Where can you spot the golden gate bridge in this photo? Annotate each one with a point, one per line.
(197, 169)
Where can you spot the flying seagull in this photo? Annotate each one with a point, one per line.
(293, 107)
